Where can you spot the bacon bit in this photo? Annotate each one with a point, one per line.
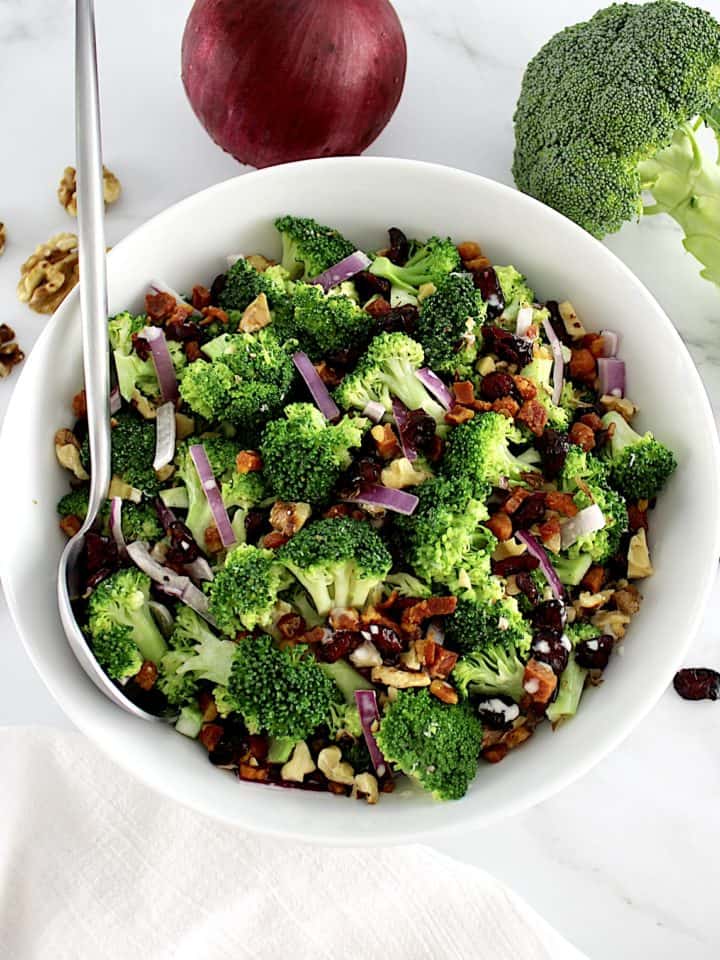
(444, 691)
(159, 306)
(210, 735)
(539, 681)
(500, 525)
(329, 376)
(79, 405)
(469, 250)
(464, 391)
(386, 442)
(246, 771)
(526, 388)
(344, 510)
(506, 406)
(192, 350)
(310, 637)
(550, 533)
(431, 607)
(582, 365)
(337, 788)
(439, 661)
(477, 263)
(274, 540)
(594, 579)
(291, 625)
(435, 449)
(561, 502)
(213, 543)
(480, 406)
(378, 308)
(495, 753)
(70, 525)
(517, 495)
(211, 314)
(592, 420)
(637, 518)
(248, 461)
(208, 708)
(200, 296)
(594, 343)
(583, 436)
(459, 414)
(534, 415)
(389, 602)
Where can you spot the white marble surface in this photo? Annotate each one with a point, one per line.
(623, 863)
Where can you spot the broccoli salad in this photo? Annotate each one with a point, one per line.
(372, 515)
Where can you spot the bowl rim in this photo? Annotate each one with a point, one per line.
(597, 749)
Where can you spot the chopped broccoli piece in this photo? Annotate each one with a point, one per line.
(74, 504)
(602, 544)
(132, 451)
(434, 743)
(478, 451)
(121, 601)
(134, 373)
(116, 652)
(515, 291)
(489, 672)
(481, 624)
(189, 629)
(189, 722)
(140, 522)
(344, 715)
(407, 585)
(240, 493)
(449, 319)
(245, 590)
(572, 679)
(179, 688)
(639, 464)
(210, 658)
(323, 323)
(243, 284)
(309, 248)
(430, 263)
(571, 570)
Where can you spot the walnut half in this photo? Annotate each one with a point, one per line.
(67, 190)
(10, 353)
(49, 274)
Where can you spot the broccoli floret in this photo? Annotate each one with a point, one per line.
(571, 570)
(244, 592)
(639, 464)
(281, 692)
(133, 373)
(407, 585)
(444, 541)
(116, 652)
(449, 319)
(221, 454)
(243, 283)
(140, 522)
(309, 248)
(209, 658)
(515, 291)
(241, 492)
(179, 688)
(540, 372)
(430, 263)
(304, 455)
(481, 624)
(479, 452)
(339, 562)
(132, 451)
(572, 679)
(189, 629)
(605, 112)
(74, 504)
(593, 488)
(121, 601)
(434, 743)
(344, 715)
(388, 369)
(491, 671)
(322, 323)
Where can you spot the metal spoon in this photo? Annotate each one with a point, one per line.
(94, 311)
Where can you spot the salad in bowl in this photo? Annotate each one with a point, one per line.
(372, 514)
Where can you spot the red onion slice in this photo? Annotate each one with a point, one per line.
(164, 435)
(400, 412)
(611, 342)
(159, 286)
(214, 497)
(162, 360)
(524, 321)
(378, 496)
(370, 716)
(434, 385)
(200, 569)
(319, 392)
(611, 374)
(115, 399)
(173, 584)
(343, 270)
(374, 411)
(116, 526)
(558, 364)
(543, 559)
(587, 520)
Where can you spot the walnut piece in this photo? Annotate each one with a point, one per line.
(67, 191)
(365, 785)
(67, 450)
(256, 315)
(392, 677)
(639, 564)
(613, 622)
(299, 765)
(49, 274)
(10, 353)
(337, 770)
(288, 517)
(403, 473)
(2, 236)
(626, 408)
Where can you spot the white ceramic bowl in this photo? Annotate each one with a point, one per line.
(187, 244)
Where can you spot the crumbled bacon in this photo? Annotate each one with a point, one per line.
(561, 502)
(248, 461)
(159, 306)
(458, 415)
(534, 415)
(200, 297)
(581, 435)
(464, 391)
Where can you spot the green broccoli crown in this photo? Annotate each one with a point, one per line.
(243, 490)
(447, 325)
(580, 465)
(304, 455)
(604, 95)
(586, 477)
(430, 263)
(132, 451)
(435, 743)
(140, 522)
(189, 629)
(482, 624)
(121, 600)
(245, 590)
(74, 504)
(491, 671)
(179, 688)
(579, 631)
(323, 323)
(133, 373)
(121, 328)
(639, 465)
(389, 369)
(210, 658)
(515, 291)
(339, 562)
(243, 283)
(479, 451)
(309, 247)
(281, 692)
(116, 652)
(444, 540)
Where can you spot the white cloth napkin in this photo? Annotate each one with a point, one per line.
(94, 866)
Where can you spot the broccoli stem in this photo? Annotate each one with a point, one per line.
(572, 684)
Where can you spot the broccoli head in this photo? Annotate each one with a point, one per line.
(118, 606)
(478, 451)
(243, 284)
(116, 652)
(585, 476)
(309, 248)
(431, 262)
(516, 293)
(281, 692)
(482, 624)
(605, 112)
(180, 689)
(243, 594)
(639, 464)
(491, 671)
(339, 562)
(435, 743)
(132, 441)
(323, 323)
(304, 455)
(74, 504)
(139, 520)
(134, 373)
(447, 325)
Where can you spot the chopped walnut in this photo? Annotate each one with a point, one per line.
(256, 315)
(392, 677)
(425, 290)
(365, 785)
(612, 622)
(508, 548)
(626, 408)
(118, 488)
(67, 450)
(287, 518)
(337, 770)
(444, 691)
(259, 262)
(403, 473)
(146, 408)
(593, 601)
(570, 320)
(2, 237)
(49, 275)
(164, 473)
(67, 191)
(386, 443)
(639, 565)
(627, 600)
(10, 353)
(299, 765)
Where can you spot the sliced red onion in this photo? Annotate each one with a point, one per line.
(162, 360)
(171, 583)
(434, 385)
(611, 342)
(116, 526)
(115, 399)
(369, 717)
(558, 364)
(212, 492)
(200, 569)
(343, 270)
(587, 520)
(158, 286)
(319, 392)
(374, 411)
(400, 412)
(611, 374)
(164, 513)
(543, 559)
(377, 495)
(524, 321)
(164, 435)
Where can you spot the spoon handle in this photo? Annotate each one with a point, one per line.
(91, 234)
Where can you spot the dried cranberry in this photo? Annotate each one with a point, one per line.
(530, 511)
(549, 615)
(556, 322)
(368, 286)
(487, 282)
(182, 542)
(141, 345)
(365, 469)
(182, 331)
(553, 447)
(551, 648)
(527, 586)
(507, 346)
(100, 558)
(218, 285)
(343, 358)
(522, 563)
(594, 654)
(385, 638)
(399, 249)
(498, 712)
(254, 525)
(341, 644)
(697, 683)
(497, 384)
(419, 429)
(402, 319)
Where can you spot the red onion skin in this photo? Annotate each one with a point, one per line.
(279, 80)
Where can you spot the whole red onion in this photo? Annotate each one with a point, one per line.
(279, 80)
